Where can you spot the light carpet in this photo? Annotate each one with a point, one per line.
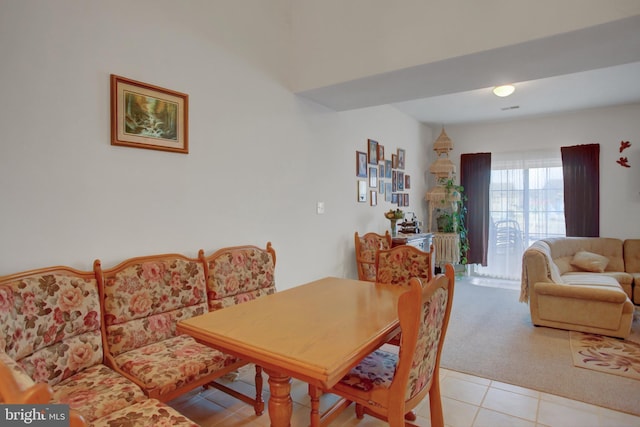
(490, 335)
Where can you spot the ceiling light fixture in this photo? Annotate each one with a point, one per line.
(503, 91)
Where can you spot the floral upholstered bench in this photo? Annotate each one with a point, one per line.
(143, 299)
(238, 274)
(50, 333)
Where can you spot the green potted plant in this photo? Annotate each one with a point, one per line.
(452, 220)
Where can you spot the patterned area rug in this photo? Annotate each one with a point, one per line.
(606, 354)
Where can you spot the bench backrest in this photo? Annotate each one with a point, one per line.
(50, 322)
(143, 298)
(238, 274)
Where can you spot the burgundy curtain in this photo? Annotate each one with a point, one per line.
(475, 177)
(581, 175)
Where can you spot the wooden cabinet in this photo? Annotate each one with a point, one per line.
(421, 241)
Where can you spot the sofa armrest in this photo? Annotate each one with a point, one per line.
(581, 292)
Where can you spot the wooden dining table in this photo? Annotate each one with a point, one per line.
(314, 332)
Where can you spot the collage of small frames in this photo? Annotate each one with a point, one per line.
(384, 176)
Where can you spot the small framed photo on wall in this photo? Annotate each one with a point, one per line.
(406, 199)
(374, 198)
(373, 152)
(380, 153)
(362, 191)
(401, 155)
(361, 164)
(373, 177)
(407, 182)
(387, 168)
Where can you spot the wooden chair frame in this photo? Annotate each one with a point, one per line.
(389, 404)
(360, 260)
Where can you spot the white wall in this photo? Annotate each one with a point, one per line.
(260, 158)
(619, 186)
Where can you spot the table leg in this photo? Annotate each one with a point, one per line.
(280, 403)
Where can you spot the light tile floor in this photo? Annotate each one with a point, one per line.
(467, 401)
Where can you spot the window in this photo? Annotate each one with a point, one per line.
(526, 204)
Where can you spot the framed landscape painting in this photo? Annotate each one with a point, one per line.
(147, 116)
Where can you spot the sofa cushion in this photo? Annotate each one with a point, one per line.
(590, 279)
(170, 364)
(563, 249)
(97, 391)
(589, 261)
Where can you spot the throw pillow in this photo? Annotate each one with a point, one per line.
(590, 262)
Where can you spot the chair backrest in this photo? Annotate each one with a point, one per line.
(424, 316)
(50, 322)
(399, 264)
(143, 298)
(366, 248)
(238, 274)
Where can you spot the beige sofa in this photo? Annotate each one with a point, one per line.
(583, 284)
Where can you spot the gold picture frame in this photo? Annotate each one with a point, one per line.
(148, 116)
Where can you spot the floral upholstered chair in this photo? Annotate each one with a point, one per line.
(143, 299)
(238, 274)
(388, 385)
(399, 264)
(366, 248)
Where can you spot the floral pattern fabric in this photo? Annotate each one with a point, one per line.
(151, 412)
(430, 331)
(239, 275)
(170, 364)
(143, 301)
(148, 330)
(97, 391)
(23, 380)
(50, 325)
(62, 360)
(143, 289)
(402, 263)
(370, 244)
(378, 368)
(375, 370)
